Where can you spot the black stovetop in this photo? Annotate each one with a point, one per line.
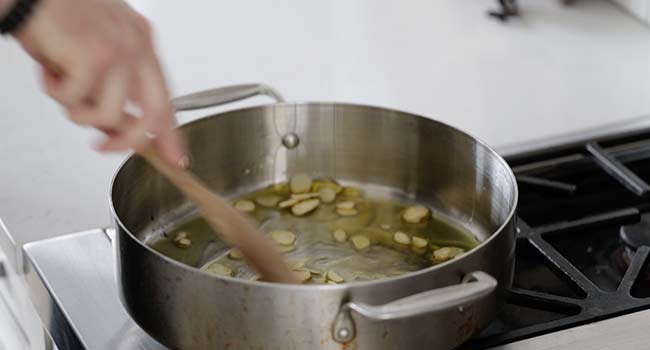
(584, 231)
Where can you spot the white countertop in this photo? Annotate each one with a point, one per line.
(556, 70)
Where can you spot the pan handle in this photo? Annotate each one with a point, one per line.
(474, 286)
(222, 95)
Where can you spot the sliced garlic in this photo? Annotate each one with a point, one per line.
(300, 183)
(419, 242)
(345, 205)
(419, 245)
(182, 243)
(360, 242)
(402, 238)
(303, 196)
(327, 195)
(319, 184)
(302, 276)
(305, 207)
(288, 203)
(219, 269)
(446, 253)
(416, 214)
(283, 237)
(334, 277)
(340, 235)
(181, 240)
(235, 254)
(347, 212)
(312, 271)
(270, 201)
(245, 206)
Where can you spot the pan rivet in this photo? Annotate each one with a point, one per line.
(461, 309)
(343, 333)
(290, 140)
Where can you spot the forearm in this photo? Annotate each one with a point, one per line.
(5, 6)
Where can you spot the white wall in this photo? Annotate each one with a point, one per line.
(638, 8)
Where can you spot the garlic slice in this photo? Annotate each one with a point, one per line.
(360, 242)
(300, 183)
(334, 277)
(447, 253)
(283, 237)
(305, 207)
(416, 214)
(327, 195)
(245, 206)
(402, 238)
(270, 201)
(340, 235)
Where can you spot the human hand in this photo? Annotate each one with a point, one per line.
(97, 56)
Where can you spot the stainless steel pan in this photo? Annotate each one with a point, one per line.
(393, 152)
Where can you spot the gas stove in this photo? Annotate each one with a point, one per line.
(582, 276)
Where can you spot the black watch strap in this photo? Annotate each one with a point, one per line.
(16, 16)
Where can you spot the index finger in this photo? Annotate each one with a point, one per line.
(157, 112)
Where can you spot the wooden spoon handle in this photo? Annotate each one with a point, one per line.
(233, 228)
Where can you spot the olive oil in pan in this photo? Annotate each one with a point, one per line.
(316, 253)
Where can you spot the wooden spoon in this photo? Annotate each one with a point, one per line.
(233, 227)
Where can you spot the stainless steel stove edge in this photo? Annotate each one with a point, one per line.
(72, 285)
(55, 321)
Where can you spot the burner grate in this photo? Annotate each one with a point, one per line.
(590, 303)
(571, 267)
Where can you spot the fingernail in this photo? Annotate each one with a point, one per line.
(184, 162)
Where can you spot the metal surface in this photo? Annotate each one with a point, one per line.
(72, 285)
(183, 307)
(475, 286)
(550, 185)
(617, 170)
(17, 315)
(223, 95)
(12, 334)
